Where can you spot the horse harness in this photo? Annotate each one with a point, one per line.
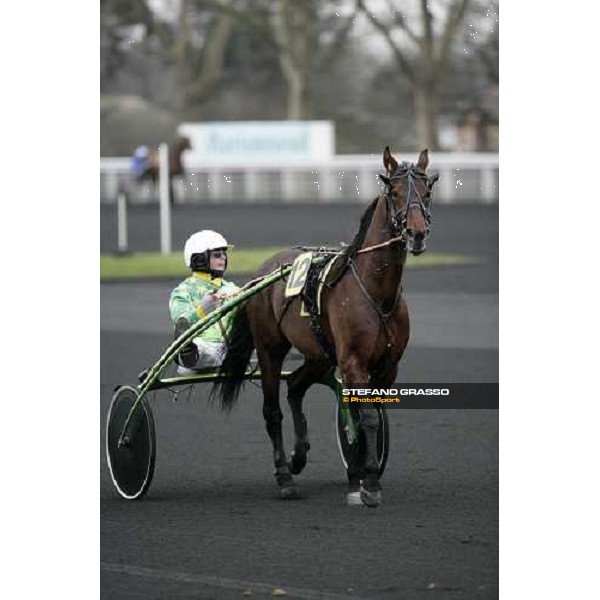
(398, 220)
(399, 217)
(310, 300)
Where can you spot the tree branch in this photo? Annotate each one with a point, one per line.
(489, 60)
(456, 13)
(427, 28)
(401, 22)
(246, 16)
(282, 31)
(398, 54)
(340, 37)
(214, 56)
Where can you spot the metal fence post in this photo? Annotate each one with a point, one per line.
(488, 185)
(447, 187)
(327, 189)
(121, 222)
(165, 200)
(251, 186)
(367, 185)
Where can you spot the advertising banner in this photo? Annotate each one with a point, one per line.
(261, 142)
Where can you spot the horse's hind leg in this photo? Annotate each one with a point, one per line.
(299, 381)
(271, 362)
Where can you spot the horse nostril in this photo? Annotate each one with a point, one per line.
(415, 235)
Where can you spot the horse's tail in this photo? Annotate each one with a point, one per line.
(239, 350)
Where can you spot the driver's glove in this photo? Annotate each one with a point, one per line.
(188, 355)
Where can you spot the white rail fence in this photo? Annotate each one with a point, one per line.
(346, 178)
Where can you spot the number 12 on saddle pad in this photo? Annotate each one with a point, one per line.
(298, 274)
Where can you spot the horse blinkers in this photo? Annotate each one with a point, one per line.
(414, 240)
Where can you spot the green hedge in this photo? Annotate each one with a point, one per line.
(241, 262)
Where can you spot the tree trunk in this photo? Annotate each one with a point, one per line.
(426, 112)
(299, 95)
(212, 59)
(182, 66)
(294, 27)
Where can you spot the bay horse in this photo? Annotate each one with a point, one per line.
(364, 318)
(176, 167)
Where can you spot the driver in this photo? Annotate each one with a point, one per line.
(205, 254)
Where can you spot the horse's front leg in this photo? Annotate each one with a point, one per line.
(270, 375)
(363, 468)
(370, 490)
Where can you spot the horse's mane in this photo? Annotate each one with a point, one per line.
(341, 264)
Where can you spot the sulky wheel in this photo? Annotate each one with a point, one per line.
(131, 464)
(348, 442)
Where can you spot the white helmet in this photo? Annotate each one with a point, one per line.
(201, 242)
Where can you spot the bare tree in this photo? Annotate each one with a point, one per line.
(484, 39)
(115, 18)
(230, 59)
(293, 28)
(199, 69)
(421, 49)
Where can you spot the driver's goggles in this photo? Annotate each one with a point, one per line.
(218, 253)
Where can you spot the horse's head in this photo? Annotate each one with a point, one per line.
(408, 192)
(183, 143)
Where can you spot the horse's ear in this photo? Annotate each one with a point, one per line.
(423, 160)
(385, 179)
(389, 162)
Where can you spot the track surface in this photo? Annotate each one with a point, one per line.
(211, 525)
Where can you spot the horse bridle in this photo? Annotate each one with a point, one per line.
(399, 217)
(398, 226)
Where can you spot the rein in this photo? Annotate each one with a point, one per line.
(397, 230)
(394, 240)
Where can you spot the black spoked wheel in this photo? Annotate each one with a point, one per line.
(131, 464)
(348, 441)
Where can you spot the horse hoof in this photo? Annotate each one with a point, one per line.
(353, 499)
(370, 499)
(297, 463)
(289, 492)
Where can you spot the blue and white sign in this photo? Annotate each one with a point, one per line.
(259, 142)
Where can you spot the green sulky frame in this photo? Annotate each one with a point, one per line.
(130, 434)
(152, 379)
